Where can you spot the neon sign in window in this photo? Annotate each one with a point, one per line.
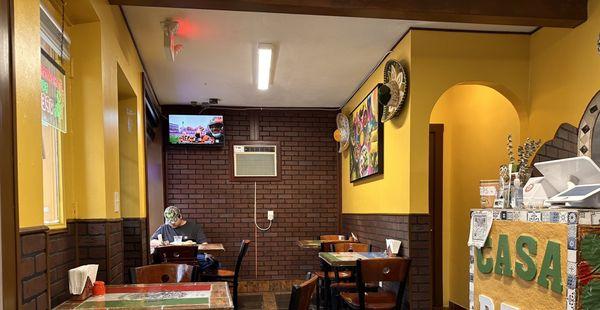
(53, 95)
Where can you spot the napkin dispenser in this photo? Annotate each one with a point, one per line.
(87, 291)
(81, 281)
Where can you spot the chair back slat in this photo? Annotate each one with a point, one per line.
(302, 294)
(238, 264)
(391, 269)
(351, 247)
(163, 273)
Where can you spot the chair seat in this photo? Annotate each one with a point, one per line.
(374, 301)
(219, 273)
(331, 274)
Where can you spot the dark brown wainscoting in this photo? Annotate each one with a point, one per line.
(47, 255)
(34, 268)
(62, 251)
(101, 242)
(415, 233)
(136, 244)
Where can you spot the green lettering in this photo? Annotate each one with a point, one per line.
(503, 265)
(551, 258)
(529, 273)
(489, 263)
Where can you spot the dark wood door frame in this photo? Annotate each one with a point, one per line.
(436, 184)
(8, 175)
(547, 13)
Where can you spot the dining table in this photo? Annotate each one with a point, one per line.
(191, 295)
(316, 244)
(211, 248)
(348, 259)
(335, 261)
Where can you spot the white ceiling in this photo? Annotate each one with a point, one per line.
(320, 62)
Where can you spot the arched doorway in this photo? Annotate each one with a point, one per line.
(476, 120)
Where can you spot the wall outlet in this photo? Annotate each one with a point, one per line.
(270, 215)
(117, 202)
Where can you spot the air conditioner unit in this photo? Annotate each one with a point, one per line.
(256, 160)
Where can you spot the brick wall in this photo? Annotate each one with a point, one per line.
(33, 268)
(62, 251)
(414, 232)
(135, 242)
(305, 201)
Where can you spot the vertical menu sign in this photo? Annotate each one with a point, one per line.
(54, 104)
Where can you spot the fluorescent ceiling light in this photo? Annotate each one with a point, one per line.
(265, 56)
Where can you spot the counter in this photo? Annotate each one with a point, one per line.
(538, 259)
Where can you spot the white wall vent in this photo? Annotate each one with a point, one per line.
(256, 160)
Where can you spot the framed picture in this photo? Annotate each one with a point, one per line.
(366, 138)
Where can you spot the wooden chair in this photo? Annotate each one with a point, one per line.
(332, 237)
(177, 254)
(351, 247)
(228, 275)
(392, 269)
(163, 273)
(302, 294)
(336, 276)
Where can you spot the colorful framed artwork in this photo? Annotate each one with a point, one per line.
(366, 138)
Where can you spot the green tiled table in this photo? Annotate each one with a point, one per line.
(316, 244)
(196, 295)
(348, 259)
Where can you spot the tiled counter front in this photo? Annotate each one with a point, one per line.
(538, 259)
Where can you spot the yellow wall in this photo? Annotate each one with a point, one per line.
(100, 40)
(118, 48)
(474, 148)
(86, 134)
(128, 160)
(28, 111)
(444, 59)
(438, 62)
(373, 195)
(500, 60)
(564, 74)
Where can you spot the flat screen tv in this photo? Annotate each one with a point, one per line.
(196, 129)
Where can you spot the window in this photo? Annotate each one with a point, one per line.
(51, 162)
(55, 45)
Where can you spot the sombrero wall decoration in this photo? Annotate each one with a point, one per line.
(393, 91)
(342, 133)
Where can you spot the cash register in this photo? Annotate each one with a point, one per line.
(571, 182)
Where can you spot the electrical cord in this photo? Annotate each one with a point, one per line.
(255, 221)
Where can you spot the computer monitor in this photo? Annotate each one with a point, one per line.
(564, 173)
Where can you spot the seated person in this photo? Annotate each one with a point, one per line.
(175, 225)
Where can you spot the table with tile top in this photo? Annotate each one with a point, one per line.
(196, 295)
(348, 259)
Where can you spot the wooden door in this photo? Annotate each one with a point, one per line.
(436, 166)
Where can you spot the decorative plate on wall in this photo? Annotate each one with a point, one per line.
(342, 133)
(588, 138)
(392, 94)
